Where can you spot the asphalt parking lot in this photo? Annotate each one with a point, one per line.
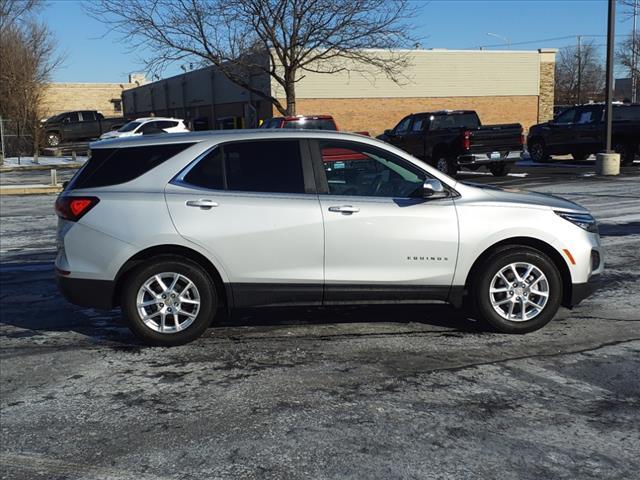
(408, 392)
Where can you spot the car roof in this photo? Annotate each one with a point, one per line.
(306, 117)
(148, 119)
(219, 136)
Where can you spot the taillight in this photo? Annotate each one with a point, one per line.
(466, 140)
(74, 208)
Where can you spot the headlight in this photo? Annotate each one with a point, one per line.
(583, 220)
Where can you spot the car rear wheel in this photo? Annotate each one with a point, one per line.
(446, 165)
(518, 290)
(170, 301)
(499, 169)
(538, 151)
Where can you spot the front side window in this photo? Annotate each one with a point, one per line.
(72, 117)
(129, 127)
(271, 166)
(403, 126)
(566, 116)
(361, 170)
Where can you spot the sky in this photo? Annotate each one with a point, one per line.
(95, 55)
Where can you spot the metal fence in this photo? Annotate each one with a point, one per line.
(14, 143)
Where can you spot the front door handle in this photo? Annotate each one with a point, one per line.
(347, 209)
(203, 203)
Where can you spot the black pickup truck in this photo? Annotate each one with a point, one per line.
(580, 130)
(78, 125)
(455, 139)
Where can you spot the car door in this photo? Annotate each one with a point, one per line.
(253, 206)
(559, 132)
(400, 131)
(89, 126)
(383, 240)
(71, 126)
(588, 129)
(413, 142)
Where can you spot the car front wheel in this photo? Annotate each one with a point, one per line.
(518, 290)
(538, 151)
(170, 301)
(53, 139)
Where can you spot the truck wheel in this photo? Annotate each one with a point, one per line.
(447, 166)
(518, 290)
(627, 153)
(538, 151)
(169, 301)
(580, 156)
(53, 139)
(499, 169)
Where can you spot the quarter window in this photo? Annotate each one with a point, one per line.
(360, 170)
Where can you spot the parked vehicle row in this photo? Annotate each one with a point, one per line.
(176, 228)
(78, 125)
(579, 131)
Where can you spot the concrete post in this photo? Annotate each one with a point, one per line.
(608, 164)
(54, 177)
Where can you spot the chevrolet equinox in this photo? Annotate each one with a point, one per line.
(174, 229)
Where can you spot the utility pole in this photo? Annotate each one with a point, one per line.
(634, 56)
(579, 70)
(608, 162)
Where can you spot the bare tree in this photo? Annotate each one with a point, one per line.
(628, 51)
(27, 58)
(580, 75)
(280, 38)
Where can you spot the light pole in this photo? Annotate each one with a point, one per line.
(608, 162)
(507, 41)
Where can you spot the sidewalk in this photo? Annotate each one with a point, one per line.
(34, 189)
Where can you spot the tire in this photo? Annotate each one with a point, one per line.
(545, 277)
(446, 165)
(193, 318)
(500, 169)
(53, 139)
(627, 153)
(538, 151)
(580, 156)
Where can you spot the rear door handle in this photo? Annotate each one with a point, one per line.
(348, 209)
(203, 203)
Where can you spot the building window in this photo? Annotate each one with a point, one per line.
(117, 104)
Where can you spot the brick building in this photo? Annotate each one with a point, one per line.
(503, 86)
(103, 97)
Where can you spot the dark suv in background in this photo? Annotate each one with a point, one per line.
(579, 131)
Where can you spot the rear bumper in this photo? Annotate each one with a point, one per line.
(482, 159)
(580, 291)
(87, 293)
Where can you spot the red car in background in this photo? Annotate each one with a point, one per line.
(304, 122)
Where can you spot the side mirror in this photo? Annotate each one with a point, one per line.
(64, 184)
(66, 120)
(432, 188)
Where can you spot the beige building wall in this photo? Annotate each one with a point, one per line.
(502, 86)
(63, 97)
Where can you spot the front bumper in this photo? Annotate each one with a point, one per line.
(87, 293)
(580, 291)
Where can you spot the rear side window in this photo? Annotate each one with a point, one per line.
(628, 113)
(457, 120)
(273, 166)
(113, 166)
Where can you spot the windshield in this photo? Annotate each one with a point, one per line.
(128, 127)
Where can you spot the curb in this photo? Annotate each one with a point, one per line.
(25, 168)
(30, 190)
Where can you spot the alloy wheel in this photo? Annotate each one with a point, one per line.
(519, 292)
(168, 302)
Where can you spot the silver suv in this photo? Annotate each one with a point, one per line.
(175, 228)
